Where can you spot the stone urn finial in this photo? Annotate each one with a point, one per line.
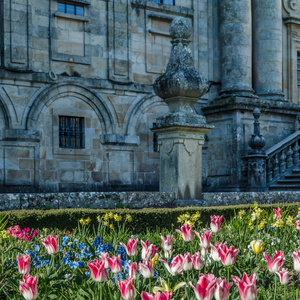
(257, 141)
(181, 78)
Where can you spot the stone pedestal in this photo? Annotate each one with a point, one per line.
(267, 48)
(256, 173)
(181, 160)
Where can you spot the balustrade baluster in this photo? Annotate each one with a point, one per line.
(276, 166)
(289, 159)
(296, 153)
(269, 170)
(282, 164)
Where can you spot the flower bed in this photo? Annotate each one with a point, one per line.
(252, 255)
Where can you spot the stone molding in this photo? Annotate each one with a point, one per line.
(292, 7)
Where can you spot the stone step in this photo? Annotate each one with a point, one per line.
(288, 181)
(292, 176)
(287, 187)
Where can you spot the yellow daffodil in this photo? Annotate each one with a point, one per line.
(257, 246)
(279, 223)
(111, 226)
(110, 215)
(98, 218)
(241, 214)
(165, 288)
(262, 224)
(290, 221)
(155, 259)
(105, 223)
(117, 217)
(128, 218)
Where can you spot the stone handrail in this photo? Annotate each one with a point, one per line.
(283, 157)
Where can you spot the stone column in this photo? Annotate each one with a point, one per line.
(267, 48)
(236, 47)
(181, 131)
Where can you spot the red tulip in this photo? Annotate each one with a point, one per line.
(215, 224)
(28, 287)
(146, 269)
(176, 265)
(284, 276)
(275, 265)
(51, 244)
(296, 257)
(148, 251)
(247, 286)
(186, 232)
(227, 255)
(277, 212)
(98, 270)
(157, 296)
(167, 243)
(197, 262)
(222, 289)
(205, 238)
(132, 269)
(115, 264)
(24, 264)
(297, 225)
(127, 289)
(131, 247)
(205, 287)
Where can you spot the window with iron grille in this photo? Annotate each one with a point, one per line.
(71, 132)
(170, 2)
(298, 69)
(70, 9)
(155, 141)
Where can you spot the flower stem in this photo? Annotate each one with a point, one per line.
(228, 274)
(275, 287)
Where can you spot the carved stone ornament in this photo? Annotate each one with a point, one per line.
(292, 6)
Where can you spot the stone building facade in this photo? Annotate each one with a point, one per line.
(76, 96)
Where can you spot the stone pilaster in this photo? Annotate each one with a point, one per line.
(267, 48)
(181, 131)
(236, 43)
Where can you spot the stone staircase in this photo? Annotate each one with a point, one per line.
(283, 164)
(289, 182)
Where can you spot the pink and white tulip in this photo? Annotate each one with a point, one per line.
(227, 255)
(98, 271)
(24, 264)
(247, 286)
(296, 257)
(205, 238)
(215, 223)
(28, 287)
(205, 287)
(197, 262)
(115, 264)
(157, 296)
(131, 248)
(186, 232)
(187, 263)
(277, 212)
(148, 251)
(104, 256)
(297, 225)
(167, 243)
(175, 266)
(132, 269)
(215, 251)
(127, 289)
(146, 269)
(275, 265)
(283, 276)
(51, 244)
(222, 289)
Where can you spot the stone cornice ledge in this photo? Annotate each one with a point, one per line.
(150, 5)
(238, 103)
